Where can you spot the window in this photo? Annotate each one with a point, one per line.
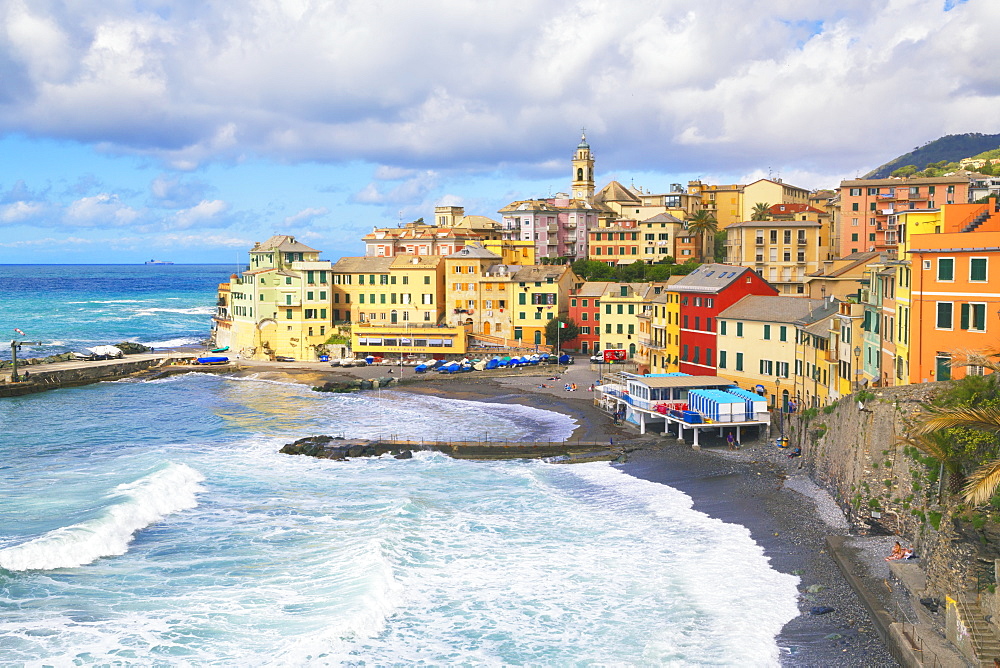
(722, 359)
(722, 331)
(767, 332)
(783, 333)
(973, 317)
(946, 269)
(977, 269)
(739, 361)
(288, 314)
(944, 315)
(739, 329)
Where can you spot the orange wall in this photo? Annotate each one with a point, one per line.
(927, 340)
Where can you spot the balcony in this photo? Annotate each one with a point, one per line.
(552, 227)
(570, 225)
(552, 242)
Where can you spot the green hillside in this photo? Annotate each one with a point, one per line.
(947, 149)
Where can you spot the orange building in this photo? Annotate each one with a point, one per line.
(955, 299)
(614, 245)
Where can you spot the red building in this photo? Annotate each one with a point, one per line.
(704, 293)
(585, 311)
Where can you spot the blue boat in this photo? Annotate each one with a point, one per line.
(212, 360)
(420, 368)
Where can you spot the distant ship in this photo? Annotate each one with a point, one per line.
(158, 262)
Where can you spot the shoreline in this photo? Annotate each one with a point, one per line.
(786, 514)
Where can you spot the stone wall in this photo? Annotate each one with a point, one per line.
(855, 452)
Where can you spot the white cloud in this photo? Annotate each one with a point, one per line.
(19, 212)
(306, 215)
(673, 85)
(410, 190)
(202, 213)
(100, 210)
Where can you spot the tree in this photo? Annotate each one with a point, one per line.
(703, 223)
(554, 334)
(760, 211)
(909, 170)
(720, 245)
(592, 270)
(979, 411)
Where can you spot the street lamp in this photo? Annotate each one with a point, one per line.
(857, 368)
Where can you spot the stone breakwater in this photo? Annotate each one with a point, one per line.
(334, 447)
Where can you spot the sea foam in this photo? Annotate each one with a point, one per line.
(131, 507)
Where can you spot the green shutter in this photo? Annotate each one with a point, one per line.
(979, 317)
(722, 330)
(977, 269)
(783, 333)
(767, 332)
(739, 361)
(521, 298)
(722, 359)
(946, 269)
(965, 316)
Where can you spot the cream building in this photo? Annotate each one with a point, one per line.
(281, 305)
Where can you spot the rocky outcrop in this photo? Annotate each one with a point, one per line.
(354, 385)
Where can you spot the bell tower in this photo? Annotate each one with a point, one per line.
(583, 170)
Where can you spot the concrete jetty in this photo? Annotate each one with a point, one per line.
(43, 377)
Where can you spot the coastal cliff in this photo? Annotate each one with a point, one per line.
(856, 450)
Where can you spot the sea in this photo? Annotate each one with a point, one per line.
(155, 523)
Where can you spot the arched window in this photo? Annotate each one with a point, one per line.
(631, 350)
(579, 174)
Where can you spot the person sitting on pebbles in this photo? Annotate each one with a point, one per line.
(898, 552)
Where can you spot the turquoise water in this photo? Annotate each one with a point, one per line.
(155, 523)
(72, 307)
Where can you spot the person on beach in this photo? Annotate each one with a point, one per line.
(731, 441)
(897, 552)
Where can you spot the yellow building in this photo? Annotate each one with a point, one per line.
(815, 364)
(511, 251)
(621, 307)
(539, 293)
(391, 290)
(664, 330)
(723, 202)
(770, 192)
(464, 272)
(280, 306)
(659, 237)
(785, 252)
(757, 339)
(846, 341)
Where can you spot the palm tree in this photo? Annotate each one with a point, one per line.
(703, 223)
(982, 483)
(760, 211)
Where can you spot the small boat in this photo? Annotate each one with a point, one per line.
(158, 262)
(212, 360)
(220, 350)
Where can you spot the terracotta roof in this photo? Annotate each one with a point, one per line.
(282, 243)
(663, 218)
(793, 207)
(904, 181)
(407, 261)
(773, 309)
(474, 251)
(616, 192)
(593, 289)
(776, 223)
(360, 265)
(538, 272)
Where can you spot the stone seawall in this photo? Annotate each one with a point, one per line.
(41, 379)
(857, 453)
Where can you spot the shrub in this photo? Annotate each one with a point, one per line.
(934, 518)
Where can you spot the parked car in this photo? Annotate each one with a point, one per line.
(597, 359)
(283, 358)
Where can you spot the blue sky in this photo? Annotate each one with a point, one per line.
(138, 129)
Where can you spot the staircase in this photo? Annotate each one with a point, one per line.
(977, 221)
(984, 640)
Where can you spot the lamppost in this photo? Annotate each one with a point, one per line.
(857, 368)
(781, 412)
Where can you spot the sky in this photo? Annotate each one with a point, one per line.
(185, 131)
